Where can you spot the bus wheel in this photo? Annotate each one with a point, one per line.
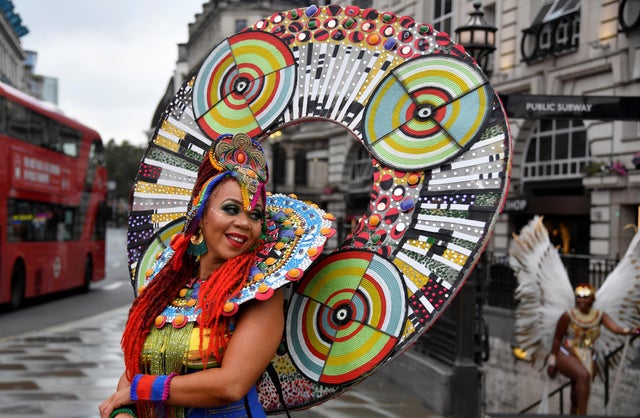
(17, 287)
(88, 275)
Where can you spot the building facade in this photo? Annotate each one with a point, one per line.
(12, 56)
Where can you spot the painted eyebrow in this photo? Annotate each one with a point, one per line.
(232, 200)
(236, 201)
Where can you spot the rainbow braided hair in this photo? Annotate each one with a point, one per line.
(231, 156)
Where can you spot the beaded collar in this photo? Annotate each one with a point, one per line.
(183, 309)
(587, 320)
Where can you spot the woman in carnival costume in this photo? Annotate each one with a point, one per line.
(561, 328)
(188, 352)
(572, 352)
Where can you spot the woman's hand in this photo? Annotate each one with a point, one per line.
(631, 331)
(552, 369)
(118, 399)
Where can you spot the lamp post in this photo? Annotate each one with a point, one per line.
(478, 37)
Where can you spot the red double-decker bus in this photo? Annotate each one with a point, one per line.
(53, 186)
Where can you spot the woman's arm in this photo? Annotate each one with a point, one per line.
(123, 382)
(118, 399)
(615, 328)
(254, 342)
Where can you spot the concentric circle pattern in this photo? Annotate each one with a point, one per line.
(244, 85)
(441, 152)
(426, 112)
(346, 317)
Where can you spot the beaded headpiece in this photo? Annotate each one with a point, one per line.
(584, 291)
(239, 157)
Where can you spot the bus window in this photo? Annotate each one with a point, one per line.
(38, 221)
(96, 154)
(3, 112)
(100, 231)
(38, 133)
(18, 121)
(69, 140)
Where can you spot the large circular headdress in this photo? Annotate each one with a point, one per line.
(441, 152)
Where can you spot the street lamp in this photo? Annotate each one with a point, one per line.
(478, 38)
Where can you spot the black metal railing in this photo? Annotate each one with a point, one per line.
(558, 391)
(440, 341)
(607, 360)
(502, 283)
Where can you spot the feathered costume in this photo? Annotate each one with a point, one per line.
(544, 293)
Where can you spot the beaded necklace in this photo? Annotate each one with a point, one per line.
(183, 309)
(587, 320)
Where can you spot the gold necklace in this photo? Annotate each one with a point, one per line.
(585, 319)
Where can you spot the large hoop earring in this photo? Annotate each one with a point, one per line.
(197, 246)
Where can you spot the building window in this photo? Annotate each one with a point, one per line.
(278, 167)
(442, 15)
(557, 149)
(301, 168)
(555, 31)
(360, 170)
(240, 25)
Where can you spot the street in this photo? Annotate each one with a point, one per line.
(67, 370)
(112, 292)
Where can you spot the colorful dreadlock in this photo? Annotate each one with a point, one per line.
(230, 157)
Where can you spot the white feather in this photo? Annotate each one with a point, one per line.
(544, 290)
(619, 297)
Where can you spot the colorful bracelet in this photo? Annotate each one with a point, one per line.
(122, 410)
(150, 387)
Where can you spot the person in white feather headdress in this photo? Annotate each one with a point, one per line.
(562, 328)
(572, 352)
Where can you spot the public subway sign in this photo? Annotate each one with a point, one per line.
(524, 106)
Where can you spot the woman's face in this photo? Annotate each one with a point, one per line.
(584, 304)
(227, 228)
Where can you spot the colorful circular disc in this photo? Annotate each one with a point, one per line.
(346, 317)
(244, 85)
(426, 112)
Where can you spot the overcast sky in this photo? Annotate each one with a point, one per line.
(112, 58)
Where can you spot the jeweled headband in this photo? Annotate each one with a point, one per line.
(584, 291)
(239, 157)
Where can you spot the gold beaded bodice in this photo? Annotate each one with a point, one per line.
(584, 329)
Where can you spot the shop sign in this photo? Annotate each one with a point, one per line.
(515, 205)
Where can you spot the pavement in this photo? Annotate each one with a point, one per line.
(67, 370)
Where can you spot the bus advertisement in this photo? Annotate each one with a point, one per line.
(53, 190)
